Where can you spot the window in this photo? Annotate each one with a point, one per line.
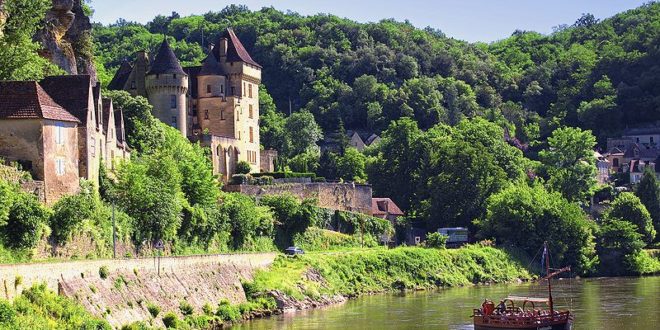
(222, 89)
(133, 84)
(615, 162)
(174, 76)
(59, 133)
(244, 88)
(174, 121)
(238, 117)
(249, 90)
(637, 140)
(173, 101)
(651, 139)
(59, 166)
(251, 135)
(92, 147)
(239, 135)
(222, 114)
(206, 114)
(233, 90)
(250, 111)
(208, 89)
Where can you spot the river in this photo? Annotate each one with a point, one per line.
(623, 303)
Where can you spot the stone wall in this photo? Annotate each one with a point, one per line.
(335, 196)
(53, 272)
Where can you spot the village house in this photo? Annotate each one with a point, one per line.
(57, 130)
(216, 103)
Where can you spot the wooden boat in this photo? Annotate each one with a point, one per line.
(525, 315)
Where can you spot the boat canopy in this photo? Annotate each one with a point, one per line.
(530, 299)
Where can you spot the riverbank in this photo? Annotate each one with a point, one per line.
(319, 279)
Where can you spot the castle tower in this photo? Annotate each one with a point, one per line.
(167, 84)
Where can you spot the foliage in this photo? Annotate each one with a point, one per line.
(19, 57)
(649, 194)
(436, 240)
(525, 217)
(317, 239)
(246, 220)
(351, 165)
(170, 320)
(40, 308)
(243, 167)
(153, 309)
(186, 308)
(26, 221)
(618, 243)
(628, 207)
(570, 163)
(290, 215)
(228, 312)
(369, 271)
(103, 272)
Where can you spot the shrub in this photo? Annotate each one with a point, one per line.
(243, 167)
(186, 308)
(264, 180)
(318, 179)
(26, 221)
(436, 240)
(70, 212)
(170, 320)
(227, 312)
(153, 310)
(238, 179)
(317, 239)
(7, 313)
(103, 272)
(207, 309)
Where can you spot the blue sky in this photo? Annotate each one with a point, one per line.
(471, 20)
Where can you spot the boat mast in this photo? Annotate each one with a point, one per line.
(547, 273)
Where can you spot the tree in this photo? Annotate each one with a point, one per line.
(351, 165)
(243, 167)
(246, 219)
(649, 195)
(303, 133)
(143, 131)
(628, 207)
(525, 217)
(618, 242)
(291, 216)
(19, 58)
(570, 163)
(26, 221)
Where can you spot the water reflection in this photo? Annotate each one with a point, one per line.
(599, 303)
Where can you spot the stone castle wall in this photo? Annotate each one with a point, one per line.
(335, 196)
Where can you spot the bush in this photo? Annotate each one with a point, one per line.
(25, 223)
(7, 313)
(227, 312)
(70, 212)
(628, 207)
(103, 272)
(207, 309)
(170, 320)
(186, 308)
(318, 179)
(317, 239)
(238, 179)
(436, 240)
(243, 167)
(284, 175)
(153, 310)
(264, 180)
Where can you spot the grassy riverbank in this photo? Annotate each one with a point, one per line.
(359, 272)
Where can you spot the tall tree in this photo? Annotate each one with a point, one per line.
(629, 208)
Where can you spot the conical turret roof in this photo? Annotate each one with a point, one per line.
(236, 52)
(166, 62)
(211, 66)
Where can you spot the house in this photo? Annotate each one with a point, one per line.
(40, 135)
(603, 168)
(385, 208)
(60, 129)
(636, 169)
(647, 136)
(216, 103)
(362, 139)
(615, 158)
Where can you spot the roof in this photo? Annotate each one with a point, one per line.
(72, 93)
(119, 125)
(643, 152)
(384, 206)
(649, 130)
(236, 52)
(107, 109)
(28, 100)
(119, 80)
(211, 66)
(166, 61)
(530, 299)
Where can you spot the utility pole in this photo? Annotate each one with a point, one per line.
(114, 233)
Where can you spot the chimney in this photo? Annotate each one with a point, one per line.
(141, 69)
(223, 47)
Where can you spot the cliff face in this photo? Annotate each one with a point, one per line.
(66, 38)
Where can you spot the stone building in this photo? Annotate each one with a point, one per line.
(40, 135)
(60, 129)
(216, 103)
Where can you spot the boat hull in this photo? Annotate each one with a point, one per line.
(546, 327)
(486, 323)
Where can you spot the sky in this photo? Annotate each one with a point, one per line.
(470, 20)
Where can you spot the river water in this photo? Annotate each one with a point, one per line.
(598, 303)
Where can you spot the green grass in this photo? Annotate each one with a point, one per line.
(40, 308)
(379, 270)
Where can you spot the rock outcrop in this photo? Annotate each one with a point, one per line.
(66, 38)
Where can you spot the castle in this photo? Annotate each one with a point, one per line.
(216, 103)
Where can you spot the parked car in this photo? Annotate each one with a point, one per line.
(293, 250)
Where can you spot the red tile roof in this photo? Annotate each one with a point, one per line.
(236, 52)
(72, 93)
(384, 206)
(28, 100)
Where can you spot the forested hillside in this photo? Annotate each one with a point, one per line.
(600, 75)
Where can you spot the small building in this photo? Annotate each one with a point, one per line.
(385, 208)
(40, 135)
(360, 140)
